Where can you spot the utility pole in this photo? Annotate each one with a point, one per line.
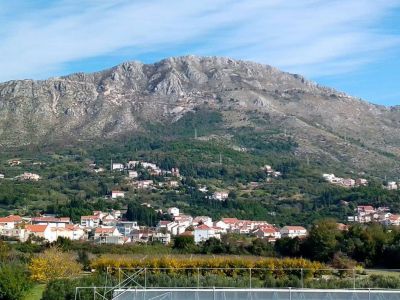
(220, 159)
(195, 133)
(111, 166)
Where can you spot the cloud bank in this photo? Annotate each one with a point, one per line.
(312, 37)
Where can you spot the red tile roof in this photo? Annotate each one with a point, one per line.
(230, 220)
(203, 227)
(105, 230)
(51, 219)
(366, 207)
(90, 217)
(36, 228)
(268, 229)
(11, 218)
(295, 227)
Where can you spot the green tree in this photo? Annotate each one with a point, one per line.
(323, 240)
(14, 281)
(185, 243)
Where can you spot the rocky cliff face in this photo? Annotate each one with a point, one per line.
(325, 123)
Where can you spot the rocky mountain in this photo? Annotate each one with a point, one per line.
(326, 124)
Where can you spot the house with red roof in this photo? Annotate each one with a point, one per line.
(52, 221)
(203, 233)
(269, 233)
(10, 222)
(393, 220)
(293, 231)
(41, 231)
(108, 235)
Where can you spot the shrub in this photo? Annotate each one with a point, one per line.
(53, 264)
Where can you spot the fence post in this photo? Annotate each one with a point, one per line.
(302, 278)
(354, 278)
(94, 293)
(250, 277)
(119, 276)
(198, 278)
(145, 278)
(213, 292)
(290, 293)
(369, 294)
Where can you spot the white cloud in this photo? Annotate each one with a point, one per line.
(313, 37)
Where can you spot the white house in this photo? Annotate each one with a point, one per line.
(363, 210)
(393, 220)
(361, 182)
(52, 221)
(173, 211)
(293, 231)
(269, 232)
(167, 225)
(41, 231)
(148, 165)
(183, 219)
(71, 231)
(329, 177)
(126, 227)
(203, 220)
(203, 233)
(173, 184)
(175, 172)
(164, 238)
(132, 174)
(348, 182)
(28, 176)
(221, 196)
(108, 235)
(1, 176)
(392, 185)
(10, 222)
(144, 184)
(90, 221)
(118, 167)
(227, 223)
(109, 220)
(203, 189)
(117, 194)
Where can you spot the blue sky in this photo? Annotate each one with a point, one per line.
(351, 45)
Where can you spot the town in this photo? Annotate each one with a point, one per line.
(112, 227)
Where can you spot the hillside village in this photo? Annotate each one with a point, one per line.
(111, 227)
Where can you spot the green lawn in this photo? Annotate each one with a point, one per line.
(36, 292)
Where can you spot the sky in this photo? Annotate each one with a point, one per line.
(350, 45)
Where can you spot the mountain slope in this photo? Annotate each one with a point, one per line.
(326, 124)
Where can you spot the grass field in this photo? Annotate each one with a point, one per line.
(36, 292)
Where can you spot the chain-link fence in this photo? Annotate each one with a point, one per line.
(122, 280)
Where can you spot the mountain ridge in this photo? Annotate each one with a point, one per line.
(324, 122)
